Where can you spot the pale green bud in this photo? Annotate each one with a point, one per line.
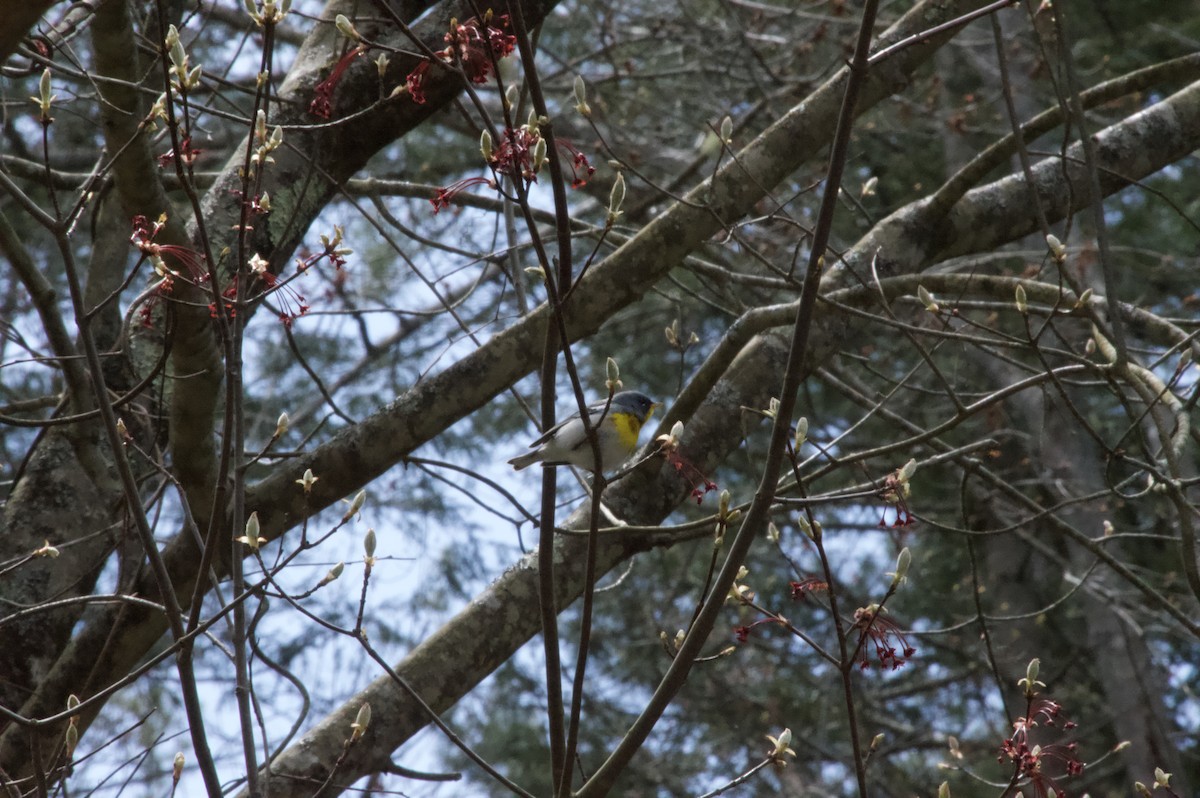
(346, 28)
(616, 198)
(612, 373)
(927, 299)
(361, 721)
(581, 103)
(356, 504)
(1056, 248)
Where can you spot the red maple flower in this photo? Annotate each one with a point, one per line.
(884, 636)
(187, 153)
(1041, 765)
(475, 46)
(445, 196)
(142, 237)
(806, 587)
(322, 102)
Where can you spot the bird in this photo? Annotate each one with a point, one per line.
(617, 431)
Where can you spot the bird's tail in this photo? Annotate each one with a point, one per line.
(524, 460)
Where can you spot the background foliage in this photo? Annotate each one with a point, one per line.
(1044, 394)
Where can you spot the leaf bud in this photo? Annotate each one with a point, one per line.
(307, 481)
(538, 158)
(346, 28)
(334, 573)
(356, 504)
(927, 299)
(616, 198)
(1056, 247)
(612, 373)
(581, 103)
(903, 561)
(361, 721)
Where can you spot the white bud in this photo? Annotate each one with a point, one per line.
(361, 721)
(1056, 248)
(581, 103)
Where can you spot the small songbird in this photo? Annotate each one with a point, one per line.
(617, 431)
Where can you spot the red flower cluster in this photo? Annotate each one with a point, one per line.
(445, 196)
(881, 632)
(293, 303)
(514, 158)
(803, 589)
(187, 153)
(322, 102)
(1035, 762)
(742, 633)
(195, 272)
(473, 45)
(693, 475)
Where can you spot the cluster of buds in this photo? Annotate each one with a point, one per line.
(272, 12)
(184, 77)
(896, 490)
(264, 143)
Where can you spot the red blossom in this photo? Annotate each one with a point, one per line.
(1041, 765)
(293, 304)
(693, 475)
(322, 102)
(581, 169)
(473, 45)
(513, 157)
(884, 636)
(477, 49)
(187, 153)
(742, 633)
(415, 81)
(160, 292)
(142, 237)
(804, 588)
(445, 196)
